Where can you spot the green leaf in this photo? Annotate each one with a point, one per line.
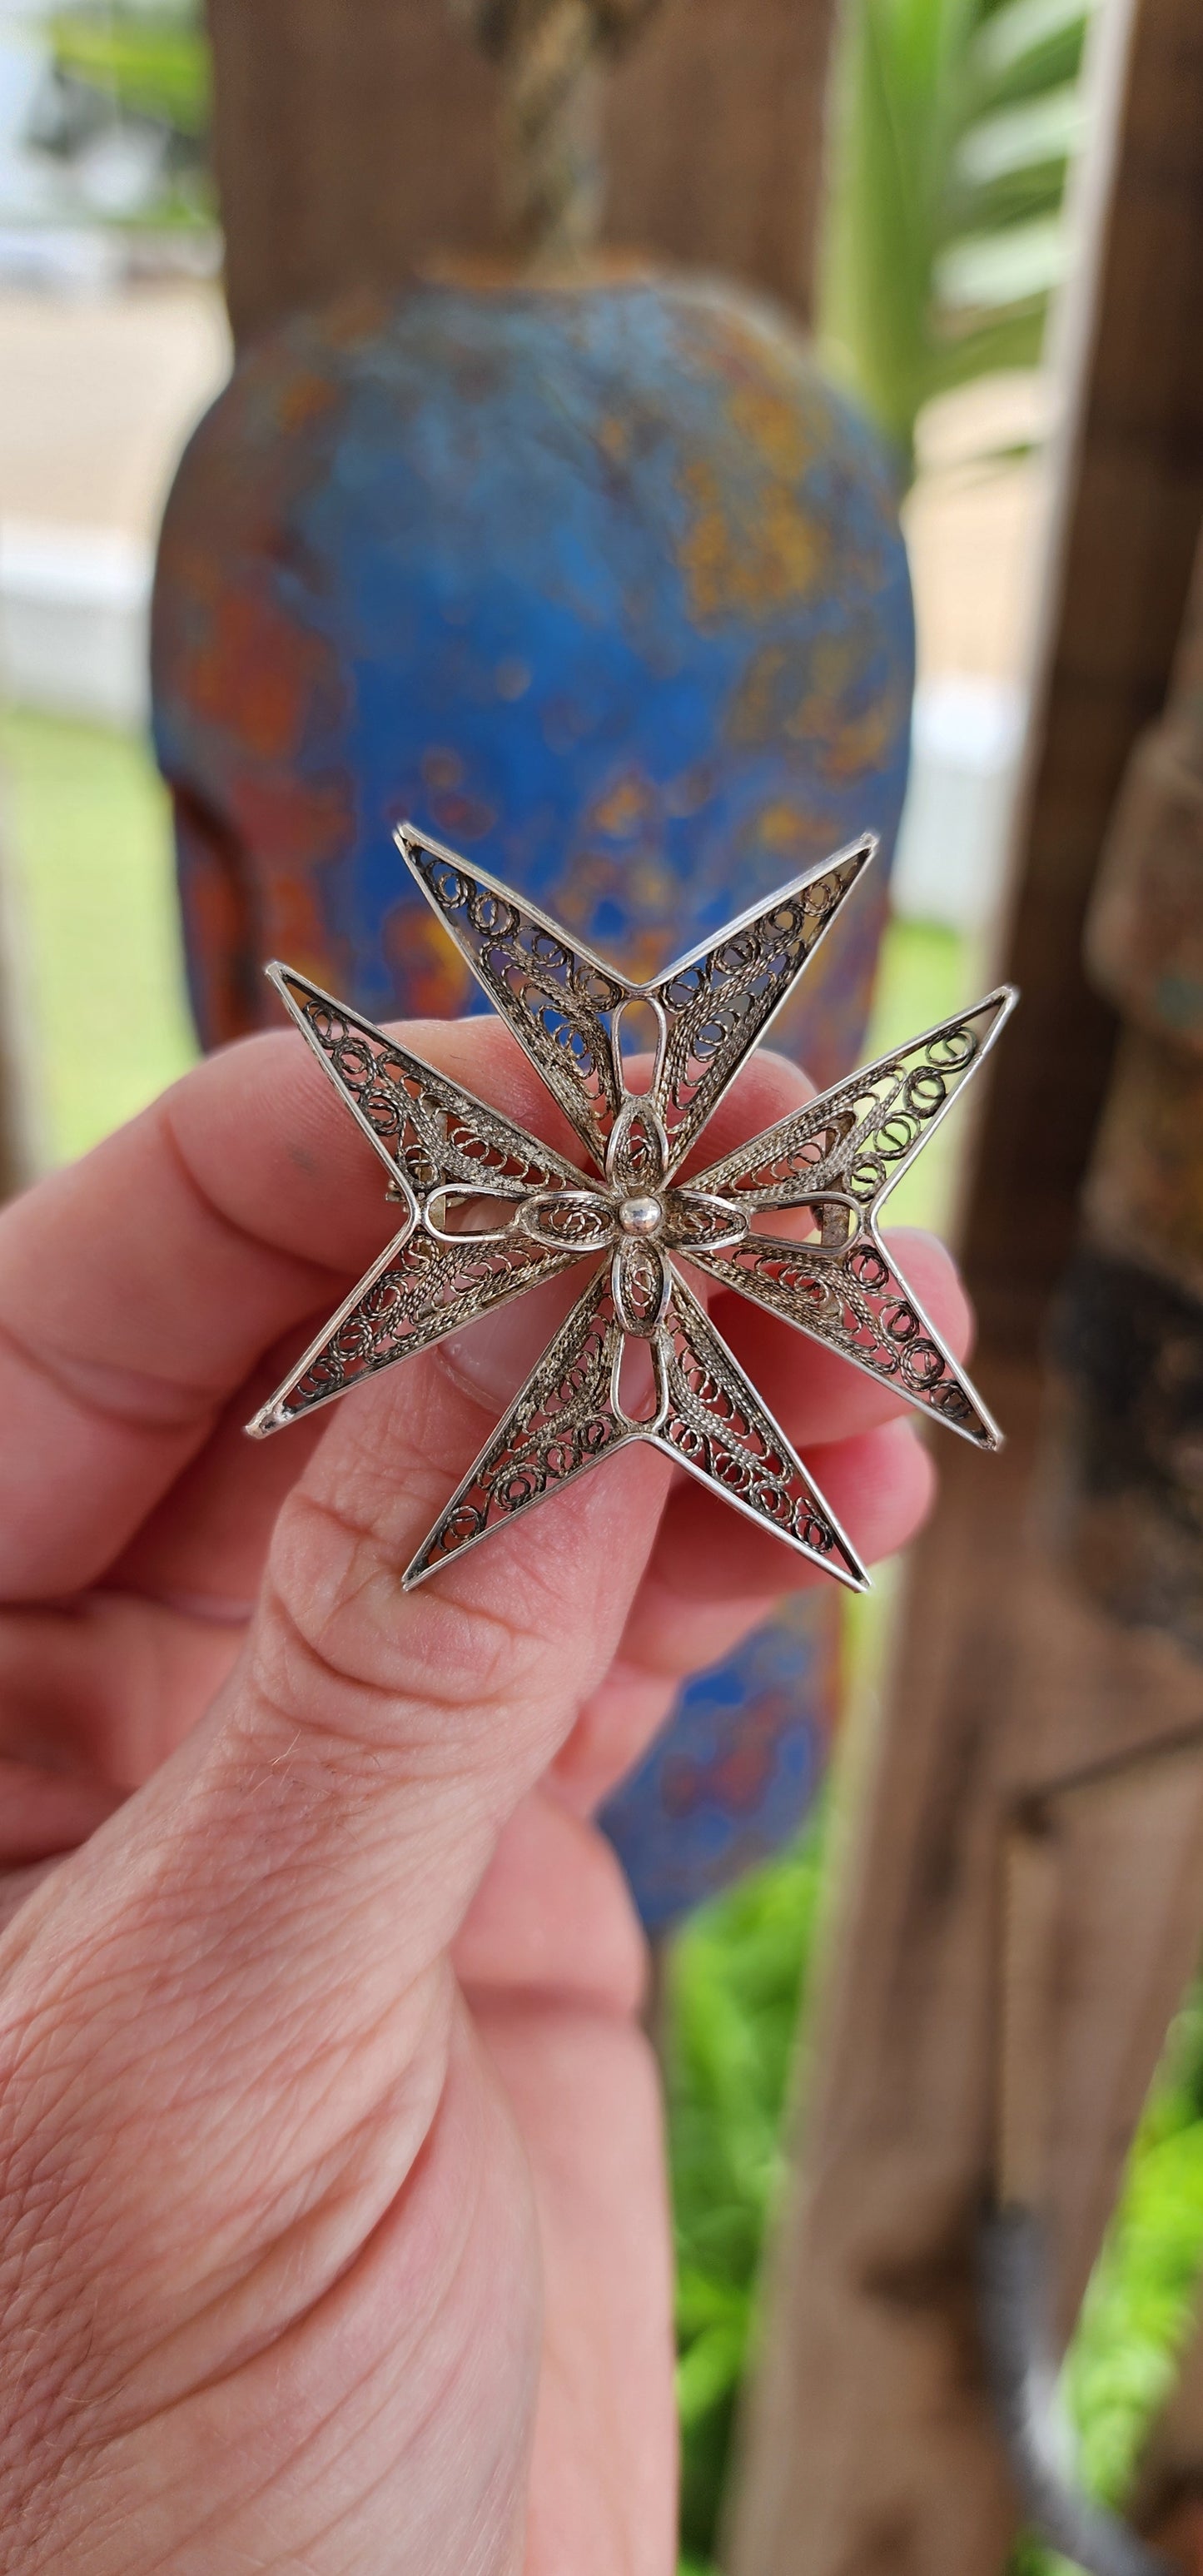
(1011, 168)
(710, 2369)
(989, 270)
(954, 126)
(1038, 130)
(990, 348)
(1027, 46)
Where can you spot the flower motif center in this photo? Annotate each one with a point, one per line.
(643, 1215)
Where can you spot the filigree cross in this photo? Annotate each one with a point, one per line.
(790, 1220)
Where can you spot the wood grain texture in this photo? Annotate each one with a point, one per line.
(354, 143)
(1167, 2503)
(1122, 552)
(1147, 947)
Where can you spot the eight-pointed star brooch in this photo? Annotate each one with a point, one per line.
(791, 1219)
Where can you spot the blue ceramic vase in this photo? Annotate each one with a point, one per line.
(605, 587)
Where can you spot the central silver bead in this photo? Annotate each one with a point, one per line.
(641, 1216)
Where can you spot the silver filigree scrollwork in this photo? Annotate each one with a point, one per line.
(708, 1418)
(832, 1165)
(789, 1220)
(566, 1006)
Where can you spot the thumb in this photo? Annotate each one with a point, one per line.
(245, 1968)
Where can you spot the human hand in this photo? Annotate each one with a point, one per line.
(332, 2212)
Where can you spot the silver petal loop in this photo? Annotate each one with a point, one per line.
(637, 1154)
(640, 1284)
(577, 1221)
(700, 1220)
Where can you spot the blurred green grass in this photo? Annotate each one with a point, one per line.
(87, 834)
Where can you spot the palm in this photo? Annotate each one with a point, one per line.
(571, 2277)
(323, 2322)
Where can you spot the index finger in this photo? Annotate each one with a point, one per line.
(139, 1288)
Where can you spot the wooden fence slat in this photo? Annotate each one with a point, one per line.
(1167, 2504)
(354, 142)
(1132, 498)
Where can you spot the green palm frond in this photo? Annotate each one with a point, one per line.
(955, 125)
(1027, 47)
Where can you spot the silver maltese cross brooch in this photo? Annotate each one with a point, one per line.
(791, 1219)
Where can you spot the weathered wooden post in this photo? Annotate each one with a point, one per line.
(871, 2446)
(352, 144)
(1134, 1495)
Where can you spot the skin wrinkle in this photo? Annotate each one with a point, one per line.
(205, 1959)
(198, 1401)
(306, 2317)
(455, 1606)
(321, 1813)
(431, 1470)
(264, 2064)
(434, 2391)
(552, 1582)
(95, 2400)
(403, 2005)
(288, 2202)
(330, 2182)
(209, 1207)
(435, 2402)
(485, 1813)
(43, 1364)
(195, 1958)
(459, 1607)
(59, 2228)
(548, 2002)
(494, 1695)
(52, 2332)
(186, 2097)
(199, 1995)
